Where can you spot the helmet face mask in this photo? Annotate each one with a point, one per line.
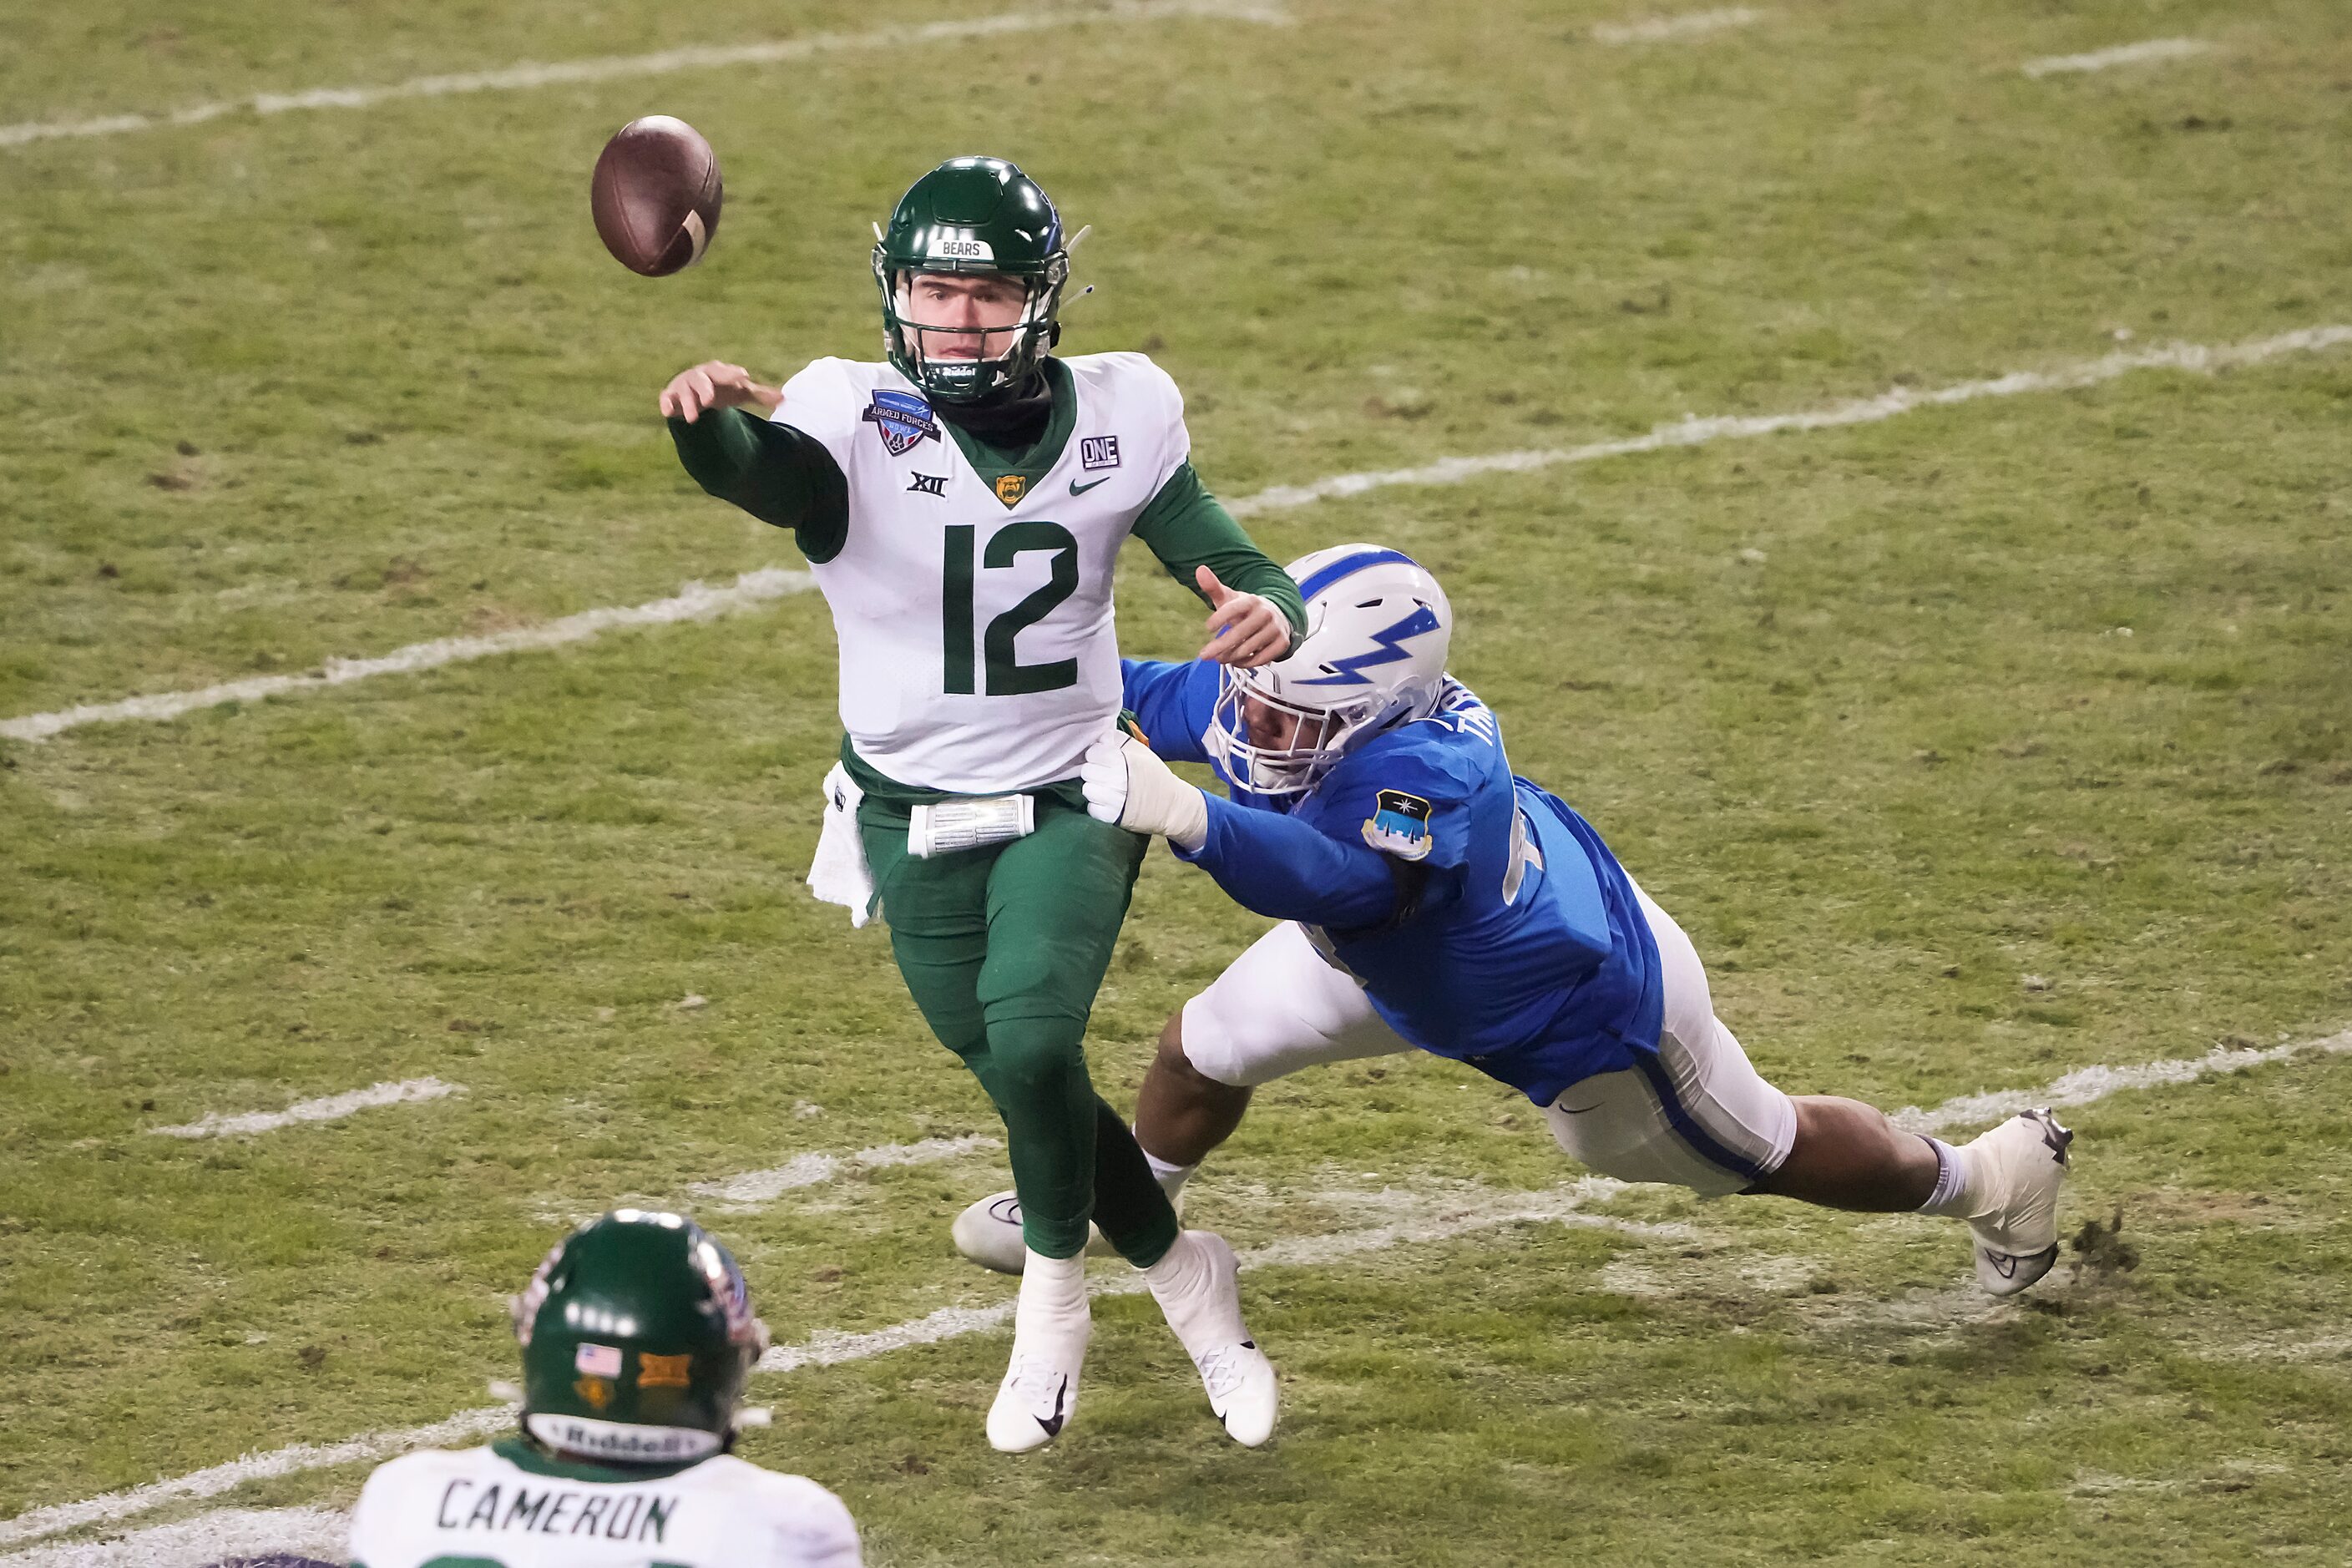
(972, 216)
(1283, 763)
(637, 1336)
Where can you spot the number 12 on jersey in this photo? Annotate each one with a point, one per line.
(1006, 675)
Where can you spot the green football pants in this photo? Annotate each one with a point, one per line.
(1004, 948)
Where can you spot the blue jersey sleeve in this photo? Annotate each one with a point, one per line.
(1284, 869)
(1174, 703)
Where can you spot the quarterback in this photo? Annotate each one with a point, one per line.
(637, 1334)
(1431, 900)
(961, 505)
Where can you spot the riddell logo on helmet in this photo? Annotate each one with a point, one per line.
(953, 248)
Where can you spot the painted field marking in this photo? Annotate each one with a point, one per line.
(1689, 25)
(1444, 1217)
(1698, 432)
(712, 57)
(2121, 54)
(2085, 1085)
(694, 601)
(698, 601)
(329, 1108)
(1447, 1216)
(267, 1533)
(753, 1188)
(465, 1426)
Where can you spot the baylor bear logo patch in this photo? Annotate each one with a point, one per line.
(1010, 489)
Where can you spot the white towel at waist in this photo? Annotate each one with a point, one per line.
(839, 874)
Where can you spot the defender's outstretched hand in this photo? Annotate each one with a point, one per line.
(1127, 784)
(715, 383)
(1244, 629)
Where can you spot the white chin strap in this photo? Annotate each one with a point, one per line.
(619, 1442)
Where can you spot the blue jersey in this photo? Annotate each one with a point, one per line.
(1487, 921)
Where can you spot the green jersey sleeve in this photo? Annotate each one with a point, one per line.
(779, 475)
(1187, 529)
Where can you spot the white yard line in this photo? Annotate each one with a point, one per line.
(1446, 1215)
(2085, 1085)
(329, 1108)
(1442, 1215)
(712, 57)
(698, 601)
(2283, 1347)
(2121, 54)
(1443, 1218)
(1698, 432)
(754, 1188)
(465, 1426)
(694, 601)
(321, 1532)
(1689, 25)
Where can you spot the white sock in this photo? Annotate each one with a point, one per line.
(1171, 1178)
(1053, 1294)
(1951, 1195)
(1184, 1283)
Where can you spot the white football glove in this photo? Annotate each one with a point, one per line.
(1127, 784)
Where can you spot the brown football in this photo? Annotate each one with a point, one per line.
(655, 196)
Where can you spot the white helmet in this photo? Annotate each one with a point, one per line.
(1374, 655)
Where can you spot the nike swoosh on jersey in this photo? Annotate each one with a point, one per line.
(1078, 489)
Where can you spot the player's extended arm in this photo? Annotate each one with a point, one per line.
(776, 473)
(1187, 529)
(1274, 865)
(1280, 867)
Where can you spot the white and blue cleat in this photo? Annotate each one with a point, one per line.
(2022, 1165)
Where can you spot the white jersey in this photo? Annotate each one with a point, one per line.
(508, 1506)
(978, 654)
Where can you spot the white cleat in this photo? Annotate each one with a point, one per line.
(1205, 1311)
(2020, 1164)
(1040, 1391)
(989, 1233)
(1242, 1391)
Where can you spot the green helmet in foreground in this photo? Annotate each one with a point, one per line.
(973, 215)
(638, 1335)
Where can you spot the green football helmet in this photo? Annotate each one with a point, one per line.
(638, 1335)
(972, 215)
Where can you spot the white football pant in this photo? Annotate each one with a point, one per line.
(1698, 1115)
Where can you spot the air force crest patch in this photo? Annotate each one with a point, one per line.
(902, 419)
(1399, 825)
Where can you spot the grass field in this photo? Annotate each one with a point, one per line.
(1973, 746)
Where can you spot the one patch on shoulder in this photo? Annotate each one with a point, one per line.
(902, 419)
(1399, 825)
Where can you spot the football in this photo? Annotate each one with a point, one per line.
(655, 196)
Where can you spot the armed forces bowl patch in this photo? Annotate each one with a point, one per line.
(1399, 825)
(902, 419)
